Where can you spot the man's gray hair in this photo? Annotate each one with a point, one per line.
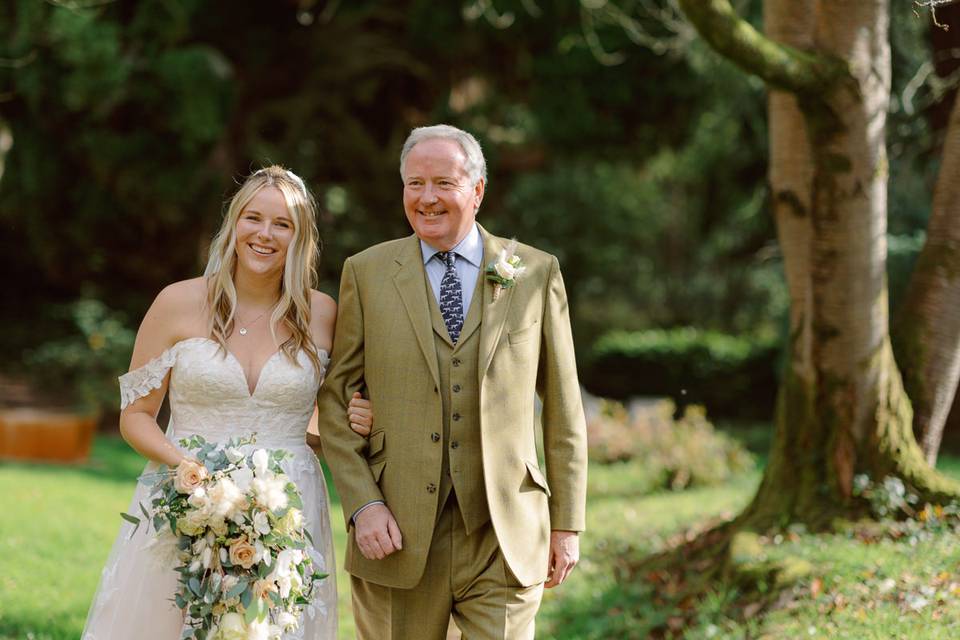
(475, 165)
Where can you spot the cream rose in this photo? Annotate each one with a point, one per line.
(242, 553)
(190, 475)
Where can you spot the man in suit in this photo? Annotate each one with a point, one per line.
(448, 510)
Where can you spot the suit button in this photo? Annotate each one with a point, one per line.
(435, 390)
(431, 488)
(456, 362)
(435, 437)
(456, 388)
(454, 444)
(456, 416)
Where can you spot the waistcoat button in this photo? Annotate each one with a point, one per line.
(435, 436)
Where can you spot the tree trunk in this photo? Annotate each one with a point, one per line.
(841, 409)
(928, 327)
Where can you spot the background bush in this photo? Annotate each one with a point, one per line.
(732, 376)
(676, 453)
(81, 369)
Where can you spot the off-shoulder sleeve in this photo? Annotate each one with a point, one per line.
(140, 382)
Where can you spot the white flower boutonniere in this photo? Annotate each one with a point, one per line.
(506, 270)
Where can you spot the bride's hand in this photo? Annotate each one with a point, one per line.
(360, 414)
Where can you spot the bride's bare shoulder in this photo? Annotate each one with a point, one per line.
(178, 311)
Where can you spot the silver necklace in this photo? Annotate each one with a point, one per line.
(243, 330)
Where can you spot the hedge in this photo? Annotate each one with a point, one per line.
(732, 376)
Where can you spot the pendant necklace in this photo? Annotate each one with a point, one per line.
(243, 330)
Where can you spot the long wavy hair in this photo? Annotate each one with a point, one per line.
(299, 272)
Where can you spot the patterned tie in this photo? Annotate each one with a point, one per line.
(451, 296)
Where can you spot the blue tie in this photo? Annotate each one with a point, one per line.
(451, 296)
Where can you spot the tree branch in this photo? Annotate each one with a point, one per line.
(778, 65)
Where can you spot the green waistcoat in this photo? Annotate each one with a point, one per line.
(462, 467)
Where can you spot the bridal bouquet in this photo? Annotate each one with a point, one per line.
(232, 526)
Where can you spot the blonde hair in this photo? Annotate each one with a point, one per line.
(299, 272)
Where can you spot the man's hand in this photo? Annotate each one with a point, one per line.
(377, 532)
(360, 414)
(564, 555)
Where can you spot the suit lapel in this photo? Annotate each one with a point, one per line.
(494, 312)
(411, 284)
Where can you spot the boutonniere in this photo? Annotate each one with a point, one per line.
(506, 270)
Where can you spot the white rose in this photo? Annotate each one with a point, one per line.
(260, 461)
(503, 268)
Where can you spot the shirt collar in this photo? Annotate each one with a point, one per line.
(470, 248)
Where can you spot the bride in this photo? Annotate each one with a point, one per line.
(241, 350)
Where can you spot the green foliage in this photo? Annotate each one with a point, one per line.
(85, 365)
(732, 376)
(678, 453)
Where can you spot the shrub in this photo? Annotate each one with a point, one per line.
(732, 376)
(681, 453)
(84, 366)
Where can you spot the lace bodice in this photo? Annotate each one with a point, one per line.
(209, 394)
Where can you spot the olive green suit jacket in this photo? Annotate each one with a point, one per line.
(384, 342)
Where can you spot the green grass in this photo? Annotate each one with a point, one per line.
(58, 523)
(848, 596)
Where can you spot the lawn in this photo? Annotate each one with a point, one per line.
(58, 524)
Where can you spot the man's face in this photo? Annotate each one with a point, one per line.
(438, 197)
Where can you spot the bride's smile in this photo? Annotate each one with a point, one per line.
(264, 232)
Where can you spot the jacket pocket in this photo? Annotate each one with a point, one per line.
(534, 472)
(376, 442)
(377, 470)
(522, 335)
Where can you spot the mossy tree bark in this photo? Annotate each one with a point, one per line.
(927, 332)
(842, 408)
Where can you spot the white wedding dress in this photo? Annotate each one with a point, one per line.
(209, 396)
